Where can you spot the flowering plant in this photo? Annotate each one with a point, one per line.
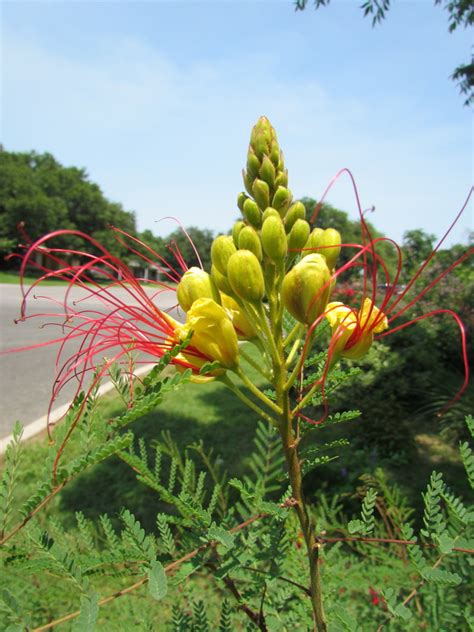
(270, 289)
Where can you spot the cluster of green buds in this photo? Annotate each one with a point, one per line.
(273, 235)
(270, 262)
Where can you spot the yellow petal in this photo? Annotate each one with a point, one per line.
(213, 333)
(371, 313)
(243, 325)
(339, 314)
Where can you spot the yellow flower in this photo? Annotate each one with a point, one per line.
(214, 337)
(242, 324)
(353, 331)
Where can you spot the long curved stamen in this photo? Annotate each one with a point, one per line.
(462, 332)
(366, 235)
(156, 255)
(435, 281)
(185, 232)
(121, 325)
(433, 252)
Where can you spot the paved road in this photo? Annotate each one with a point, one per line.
(26, 378)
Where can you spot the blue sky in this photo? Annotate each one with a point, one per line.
(156, 100)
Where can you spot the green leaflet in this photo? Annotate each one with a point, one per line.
(366, 525)
(86, 621)
(157, 581)
(220, 535)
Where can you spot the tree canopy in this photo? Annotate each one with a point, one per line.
(41, 195)
(38, 195)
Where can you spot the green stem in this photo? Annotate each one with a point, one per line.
(247, 401)
(301, 404)
(254, 316)
(257, 392)
(294, 349)
(268, 333)
(290, 447)
(313, 390)
(254, 364)
(293, 376)
(261, 347)
(273, 332)
(294, 332)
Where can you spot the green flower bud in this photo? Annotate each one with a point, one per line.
(195, 283)
(262, 136)
(306, 287)
(313, 240)
(241, 200)
(221, 250)
(263, 126)
(260, 144)
(267, 171)
(236, 228)
(249, 240)
(261, 193)
(245, 276)
(270, 212)
(274, 239)
(253, 164)
(221, 281)
(275, 153)
(247, 182)
(298, 235)
(296, 211)
(326, 242)
(252, 213)
(281, 200)
(331, 240)
(282, 178)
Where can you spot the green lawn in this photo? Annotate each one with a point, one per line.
(13, 278)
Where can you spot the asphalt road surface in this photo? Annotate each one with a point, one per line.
(26, 377)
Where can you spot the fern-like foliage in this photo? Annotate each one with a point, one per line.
(467, 454)
(177, 484)
(365, 526)
(238, 537)
(9, 477)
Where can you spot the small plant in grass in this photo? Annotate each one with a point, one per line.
(257, 536)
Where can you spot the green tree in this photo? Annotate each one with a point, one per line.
(201, 238)
(417, 247)
(460, 14)
(39, 194)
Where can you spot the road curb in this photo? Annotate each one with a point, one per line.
(39, 425)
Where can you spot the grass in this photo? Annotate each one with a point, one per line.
(13, 278)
